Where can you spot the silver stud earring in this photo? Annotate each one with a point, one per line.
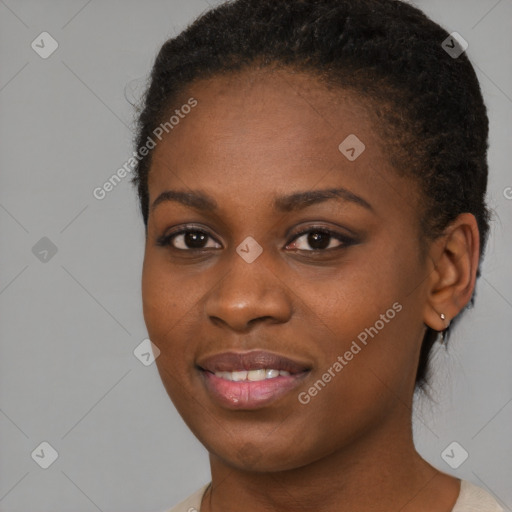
(443, 332)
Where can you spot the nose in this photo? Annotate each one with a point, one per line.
(248, 294)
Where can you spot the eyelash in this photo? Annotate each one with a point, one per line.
(345, 241)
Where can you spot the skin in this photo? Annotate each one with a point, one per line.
(254, 136)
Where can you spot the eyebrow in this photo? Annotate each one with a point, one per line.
(296, 201)
(194, 199)
(300, 200)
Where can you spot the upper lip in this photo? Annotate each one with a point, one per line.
(254, 360)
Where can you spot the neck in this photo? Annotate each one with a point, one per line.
(381, 471)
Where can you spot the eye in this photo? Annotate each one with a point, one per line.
(191, 239)
(188, 240)
(320, 239)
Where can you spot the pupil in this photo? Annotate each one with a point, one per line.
(318, 240)
(194, 239)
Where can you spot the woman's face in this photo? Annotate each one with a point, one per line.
(265, 270)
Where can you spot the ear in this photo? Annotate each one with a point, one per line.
(454, 260)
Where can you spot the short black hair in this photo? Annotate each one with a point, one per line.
(429, 102)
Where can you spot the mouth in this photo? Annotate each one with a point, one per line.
(250, 380)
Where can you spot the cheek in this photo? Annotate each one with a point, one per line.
(358, 385)
(163, 308)
(157, 303)
(167, 294)
(372, 321)
(172, 302)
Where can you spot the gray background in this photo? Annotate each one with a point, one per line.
(68, 328)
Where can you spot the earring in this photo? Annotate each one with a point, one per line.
(443, 332)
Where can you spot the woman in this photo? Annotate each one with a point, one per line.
(312, 187)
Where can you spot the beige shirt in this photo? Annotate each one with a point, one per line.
(471, 499)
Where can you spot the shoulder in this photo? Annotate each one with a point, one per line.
(475, 499)
(192, 503)
(471, 499)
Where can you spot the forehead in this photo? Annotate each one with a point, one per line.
(265, 131)
(265, 103)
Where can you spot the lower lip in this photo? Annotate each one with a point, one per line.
(250, 394)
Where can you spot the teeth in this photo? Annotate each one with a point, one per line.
(252, 375)
(255, 375)
(238, 376)
(270, 374)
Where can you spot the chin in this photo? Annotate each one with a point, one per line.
(258, 457)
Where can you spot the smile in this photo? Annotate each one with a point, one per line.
(252, 375)
(250, 380)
